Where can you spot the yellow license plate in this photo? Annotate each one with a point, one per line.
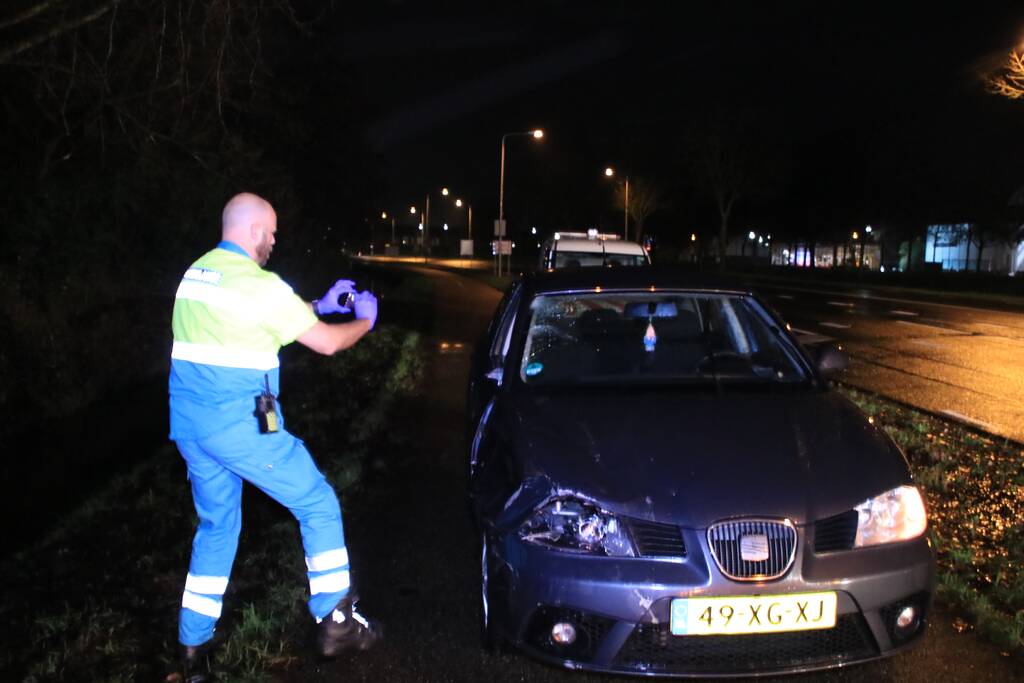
(740, 614)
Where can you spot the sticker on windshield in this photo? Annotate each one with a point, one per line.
(534, 369)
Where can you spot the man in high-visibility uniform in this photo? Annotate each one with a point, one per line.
(230, 318)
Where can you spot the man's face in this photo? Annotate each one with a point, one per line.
(265, 245)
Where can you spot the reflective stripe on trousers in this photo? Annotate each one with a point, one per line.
(279, 465)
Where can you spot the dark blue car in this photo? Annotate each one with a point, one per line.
(666, 484)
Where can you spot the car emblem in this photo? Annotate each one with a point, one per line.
(754, 547)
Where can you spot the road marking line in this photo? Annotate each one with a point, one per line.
(945, 330)
(999, 329)
(838, 326)
(928, 343)
(784, 296)
(872, 297)
(844, 304)
(899, 312)
(805, 337)
(797, 330)
(987, 426)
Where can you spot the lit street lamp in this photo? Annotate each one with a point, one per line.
(384, 217)
(469, 217)
(609, 172)
(536, 134)
(426, 220)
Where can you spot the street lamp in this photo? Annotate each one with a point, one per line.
(609, 172)
(536, 134)
(426, 220)
(384, 217)
(469, 217)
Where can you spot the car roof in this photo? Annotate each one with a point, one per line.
(599, 246)
(625, 277)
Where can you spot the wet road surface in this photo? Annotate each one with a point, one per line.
(416, 552)
(964, 362)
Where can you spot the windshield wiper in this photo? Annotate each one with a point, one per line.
(628, 381)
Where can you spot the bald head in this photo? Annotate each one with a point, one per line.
(250, 222)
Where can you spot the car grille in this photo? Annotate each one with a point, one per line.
(657, 540)
(726, 541)
(836, 533)
(652, 648)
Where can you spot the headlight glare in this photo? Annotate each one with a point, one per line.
(578, 526)
(896, 515)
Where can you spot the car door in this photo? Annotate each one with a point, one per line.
(488, 365)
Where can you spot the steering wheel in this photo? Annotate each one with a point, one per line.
(720, 356)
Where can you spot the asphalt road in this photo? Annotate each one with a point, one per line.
(416, 554)
(963, 361)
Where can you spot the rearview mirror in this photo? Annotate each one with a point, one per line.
(650, 309)
(831, 360)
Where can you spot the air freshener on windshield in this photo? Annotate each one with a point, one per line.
(650, 338)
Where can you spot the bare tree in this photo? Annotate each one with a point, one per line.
(134, 73)
(720, 159)
(1009, 80)
(735, 155)
(49, 31)
(644, 199)
(127, 123)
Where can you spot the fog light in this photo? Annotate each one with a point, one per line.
(906, 618)
(563, 633)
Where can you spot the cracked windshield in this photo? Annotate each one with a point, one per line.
(649, 337)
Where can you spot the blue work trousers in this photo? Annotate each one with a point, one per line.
(279, 465)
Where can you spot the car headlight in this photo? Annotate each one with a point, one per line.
(574, 525)
(896, 515)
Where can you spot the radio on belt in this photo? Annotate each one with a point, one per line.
(266, 409)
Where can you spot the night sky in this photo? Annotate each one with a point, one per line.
(862, 112)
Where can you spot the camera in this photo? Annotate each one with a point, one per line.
(345, 300)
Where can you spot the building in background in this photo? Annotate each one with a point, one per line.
(963, 246)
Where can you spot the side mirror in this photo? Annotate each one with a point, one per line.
(831, 361)
(495, 375)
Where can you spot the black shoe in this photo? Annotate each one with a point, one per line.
(195, 661)
(345, 630)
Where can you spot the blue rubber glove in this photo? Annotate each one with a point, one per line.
(330, 303)
(366, 307)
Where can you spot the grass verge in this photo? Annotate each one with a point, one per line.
(97, 598)
(974, 486)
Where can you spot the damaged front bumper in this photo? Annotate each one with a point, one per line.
(619, 608)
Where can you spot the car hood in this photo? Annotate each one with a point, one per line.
(695, 458)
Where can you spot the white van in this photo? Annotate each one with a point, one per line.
(573, 249)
